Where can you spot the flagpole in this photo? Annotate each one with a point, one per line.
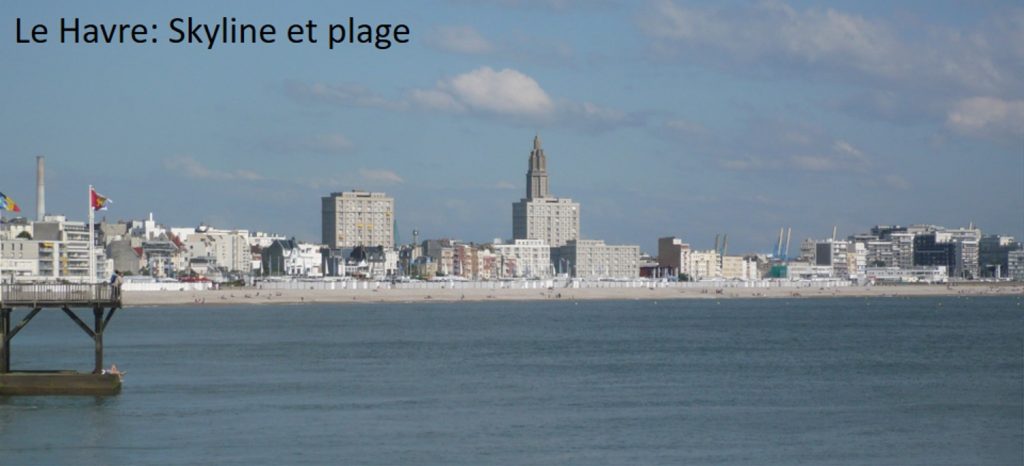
(92, 242)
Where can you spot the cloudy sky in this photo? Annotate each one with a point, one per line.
(661, 118)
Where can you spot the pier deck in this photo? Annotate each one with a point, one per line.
(103, 300)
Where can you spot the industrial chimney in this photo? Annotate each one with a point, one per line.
(40, 187)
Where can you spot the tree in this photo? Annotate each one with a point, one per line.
(24, 235)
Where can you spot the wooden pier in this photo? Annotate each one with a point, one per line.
(103, 300)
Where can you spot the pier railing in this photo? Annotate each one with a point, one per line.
(58, 295)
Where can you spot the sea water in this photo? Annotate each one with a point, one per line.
(780, 381)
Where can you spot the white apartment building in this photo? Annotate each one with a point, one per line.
(833, 253)
(739, 268)
(19, 259)
(555, 221)
(594, 259)
(224, 249)
(524, 258)
(704, 264)
(59, 249)
(856, 260)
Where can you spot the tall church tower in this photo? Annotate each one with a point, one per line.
(537, 174)
(539, 216)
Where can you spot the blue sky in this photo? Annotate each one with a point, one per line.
(661, 118)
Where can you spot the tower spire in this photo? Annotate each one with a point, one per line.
(537, 175)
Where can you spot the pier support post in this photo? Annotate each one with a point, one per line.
(97, 313)
(5, 346)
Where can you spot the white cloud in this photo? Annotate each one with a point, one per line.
(843, 45)
(511, 94)
(852, 156)
(987, 116)
(380, 176)
(437, 100)
(459, 39)
(504, 92)
(192, 168)
(808, 36)
(841, 156)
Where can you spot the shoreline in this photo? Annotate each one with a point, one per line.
(254, 296)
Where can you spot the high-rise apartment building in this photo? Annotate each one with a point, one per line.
(358, 218)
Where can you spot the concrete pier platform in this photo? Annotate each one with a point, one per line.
(43, 383)
(100, 298)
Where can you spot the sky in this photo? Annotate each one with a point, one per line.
(662, 118)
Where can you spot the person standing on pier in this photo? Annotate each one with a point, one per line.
(116, 280)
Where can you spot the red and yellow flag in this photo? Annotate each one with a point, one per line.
(99, 201)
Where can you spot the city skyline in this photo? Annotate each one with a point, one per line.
(676, 125)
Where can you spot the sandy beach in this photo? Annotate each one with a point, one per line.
(235, 296)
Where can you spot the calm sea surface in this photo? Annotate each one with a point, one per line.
(836, 381)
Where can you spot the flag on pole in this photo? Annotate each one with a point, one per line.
(8, 204)
(99, 201)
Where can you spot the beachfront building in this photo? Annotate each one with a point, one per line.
(1015, 265)
(487, 262)
(595, 260)
(539, 216)
(704, 265)
(51, 250)
(223, 250)
(523, 258)
(799, 270)
(292, 258)
(358, 218)
(739, 268)
(994, 254)
(442, 253)
(878, 253)
(856, 260)
(936, 274)
(958, 254)
(833, 253)
(19, 258)
(673, 253)
(902, 249)
(464, 261)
